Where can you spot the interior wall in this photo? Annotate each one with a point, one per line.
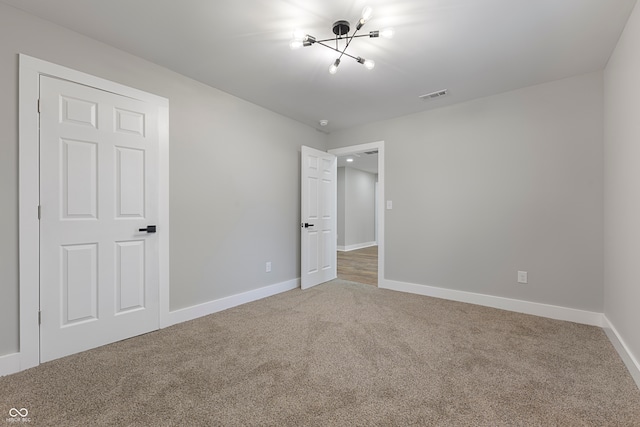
(341, 207)
(234, 172)
(485, 188)
(359, 207)
(622, 193)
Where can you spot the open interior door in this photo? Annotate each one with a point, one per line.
(318, 219)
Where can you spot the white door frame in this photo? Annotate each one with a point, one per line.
(29, 187)
(379, 145)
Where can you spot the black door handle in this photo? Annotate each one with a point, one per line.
(149, 229)
(307, 225)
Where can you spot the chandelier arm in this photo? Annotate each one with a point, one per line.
(337, 50)
(341, 38)
(329, 40)
(350, 39)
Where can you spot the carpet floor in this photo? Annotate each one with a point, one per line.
(341, 353)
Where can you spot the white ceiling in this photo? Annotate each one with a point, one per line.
(362, 161)
(473, 48)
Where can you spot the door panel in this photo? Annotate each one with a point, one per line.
(98, 186)
(129, 275)
(78, 111)
(329, 254)
(79, 179)
(130, 195)
(79, 283)
(318, 212)
(130, 122)
(312, 252)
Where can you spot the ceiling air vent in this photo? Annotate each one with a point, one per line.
(433, 95)
(371, 152)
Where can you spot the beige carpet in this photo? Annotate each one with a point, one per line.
(339, 354)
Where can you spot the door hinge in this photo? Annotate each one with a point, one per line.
(38, 105)
(39, 317)
(39, 212)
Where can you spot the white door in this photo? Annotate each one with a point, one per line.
(318, 235)
(98, 188)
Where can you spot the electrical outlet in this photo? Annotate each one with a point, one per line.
(268, 267)
(522, 277)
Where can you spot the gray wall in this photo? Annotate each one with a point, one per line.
(357, 210)
(622, 189)
(504, 183)
(234, 172)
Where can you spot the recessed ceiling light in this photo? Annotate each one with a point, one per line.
(324, 122)
(350, 160)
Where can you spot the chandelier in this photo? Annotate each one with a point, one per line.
(341, 36)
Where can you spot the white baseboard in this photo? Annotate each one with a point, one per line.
(356, 246)
(215, 306)
(519, 306)
(632, 364)
(9, 364)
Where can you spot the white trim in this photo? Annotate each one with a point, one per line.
(355, 247)
(196, 311)
(9, 364)
(632, 364)
(519, 306)
(163, 214)
(379, 145)
(29, 235)
(30, 71)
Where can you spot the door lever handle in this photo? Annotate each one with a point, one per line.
(149, 229)
(307, 225)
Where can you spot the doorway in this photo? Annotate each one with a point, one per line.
(360, 213)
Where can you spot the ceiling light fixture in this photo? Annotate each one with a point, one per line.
(341, 30)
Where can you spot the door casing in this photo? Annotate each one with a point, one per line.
(29, 168)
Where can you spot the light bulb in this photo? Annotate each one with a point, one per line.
(298, 34)
(334, 67)
(366, 14)
(387, 33)
(295, 44)
(369, 64)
